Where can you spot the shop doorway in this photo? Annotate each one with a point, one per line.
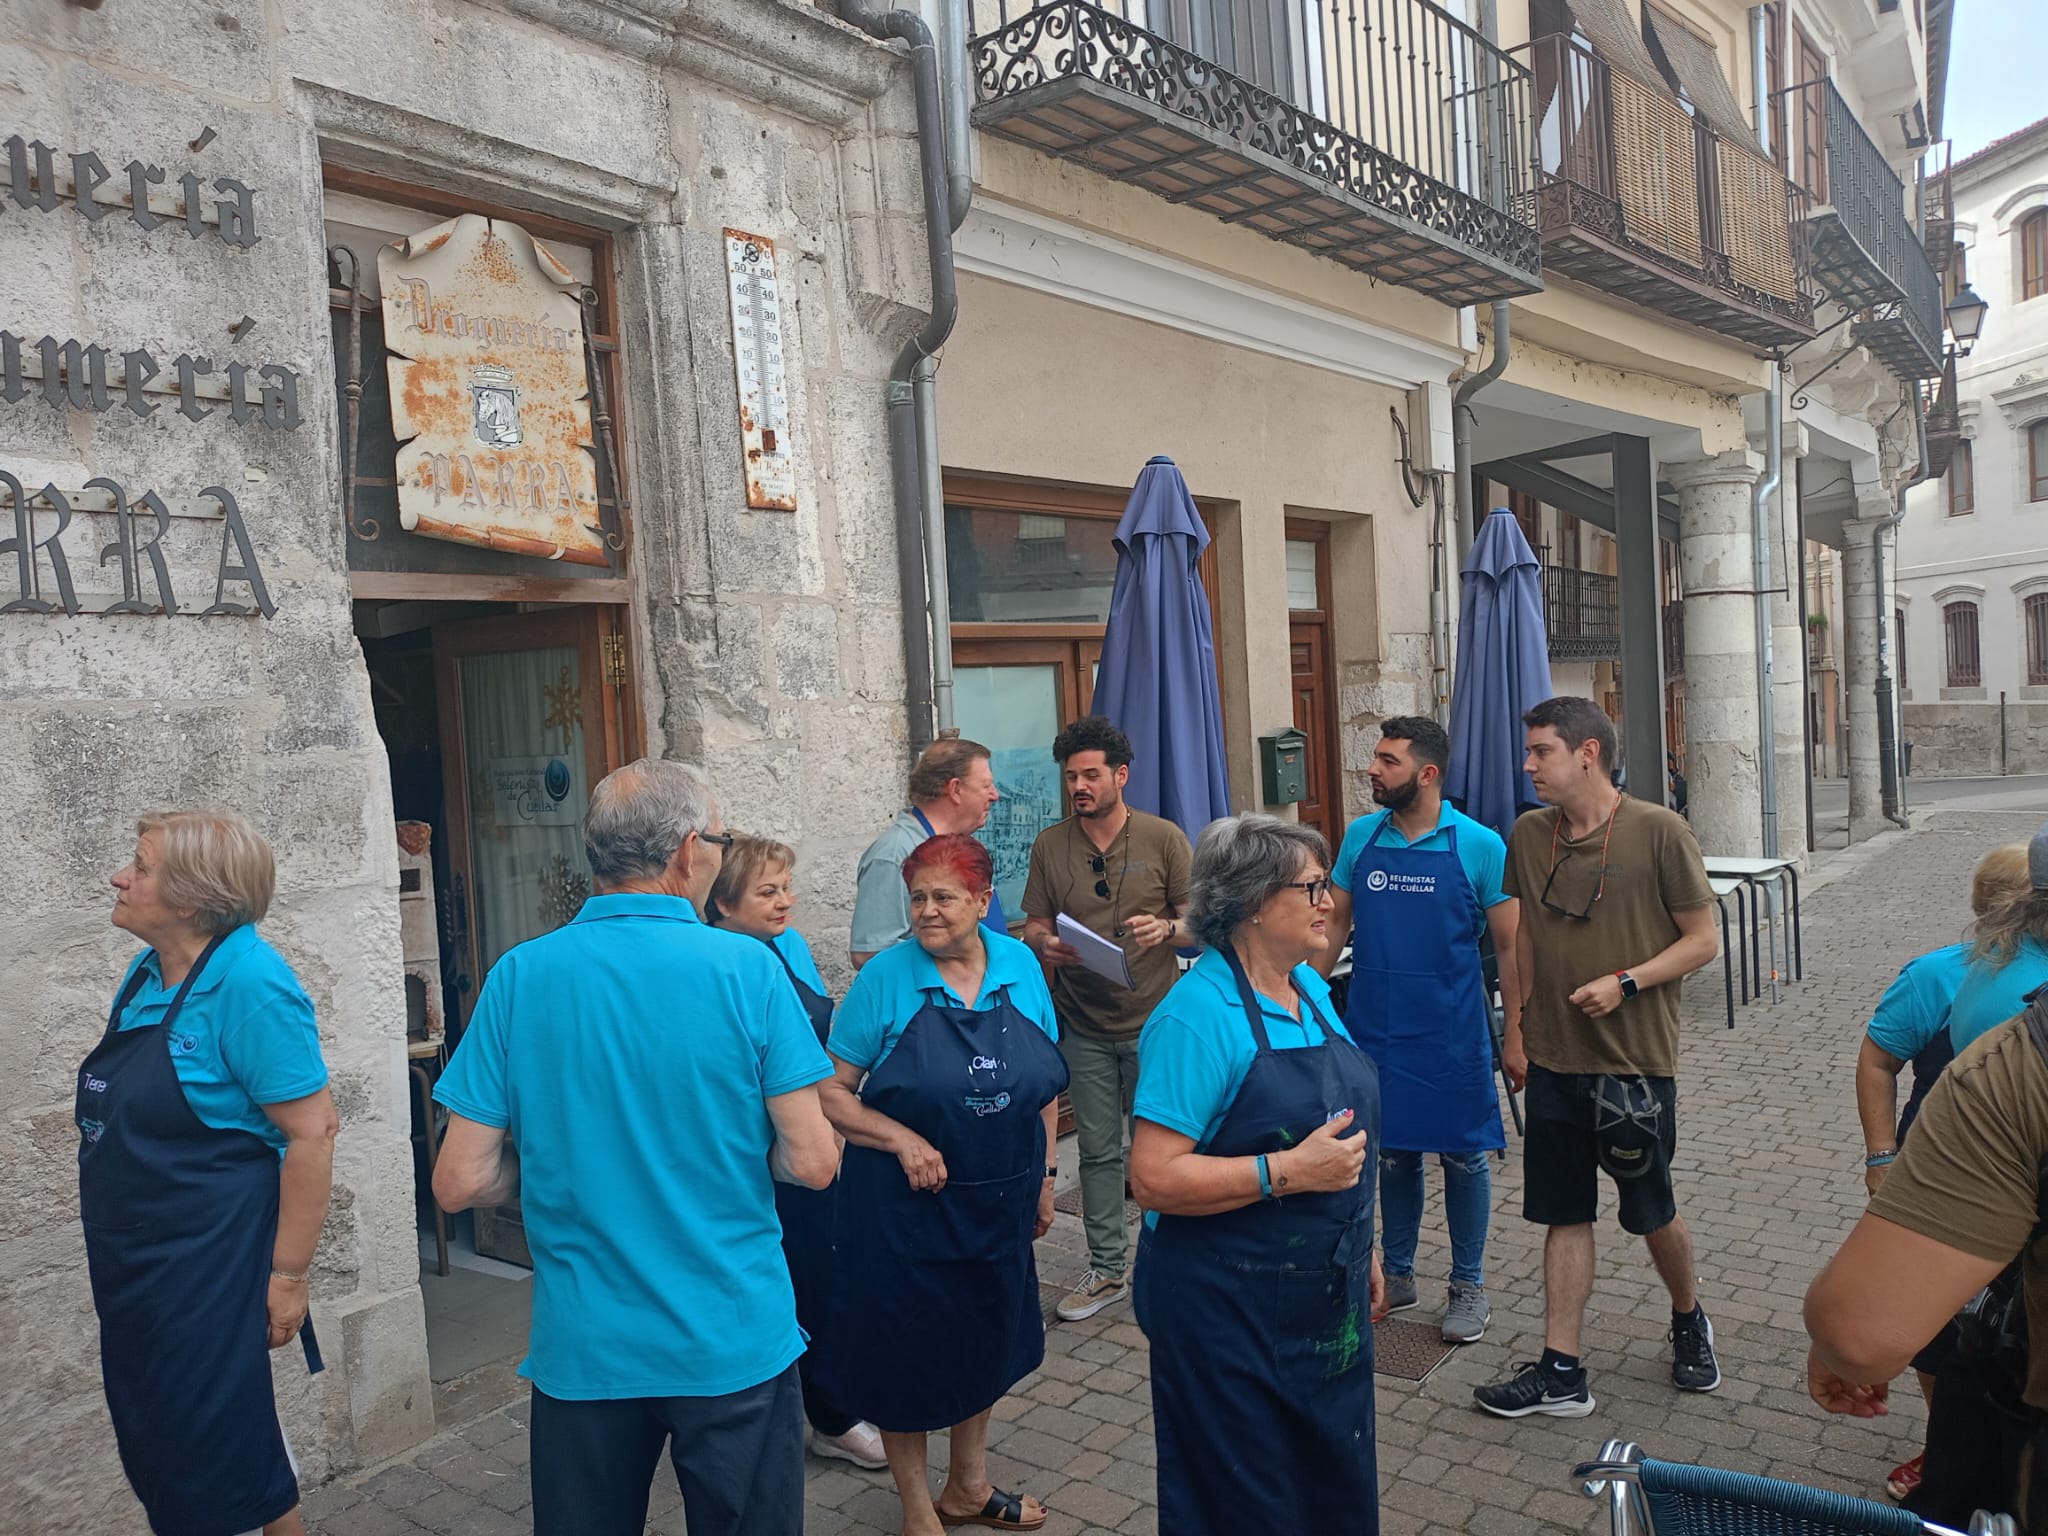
(1313, 675)
(497, 719)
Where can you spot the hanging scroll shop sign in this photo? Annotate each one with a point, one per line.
(489, 392)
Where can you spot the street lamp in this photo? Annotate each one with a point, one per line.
(1965, 318)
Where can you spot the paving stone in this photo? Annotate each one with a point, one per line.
(1768, 1180)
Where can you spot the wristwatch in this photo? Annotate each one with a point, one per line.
(1052, 1172)
(1628, 985)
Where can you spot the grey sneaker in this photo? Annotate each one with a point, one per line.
(1466, 1316)
(1095, 1292)
(1400, 1293)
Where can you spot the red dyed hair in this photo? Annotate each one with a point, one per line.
(953, 853)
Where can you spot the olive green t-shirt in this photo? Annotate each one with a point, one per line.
(1653, 869)
(1146, 872)
(1966, 1176)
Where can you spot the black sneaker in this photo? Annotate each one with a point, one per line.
(1533, 1389)
(1693, 1366)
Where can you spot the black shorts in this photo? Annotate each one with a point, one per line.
(1583, 1122)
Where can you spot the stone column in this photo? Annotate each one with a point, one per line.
(1717, 561)
(1788, 663)
(1858, 657)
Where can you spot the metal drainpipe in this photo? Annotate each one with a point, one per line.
(920, 564)
(1887, 725)
(1461, 413)
(1762, 497)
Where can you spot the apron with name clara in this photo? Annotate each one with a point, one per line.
(934, 1310)
(180, 1222)
(1261, 1318)
(1418, 1002)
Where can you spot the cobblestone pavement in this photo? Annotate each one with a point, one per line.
(1770, 1178)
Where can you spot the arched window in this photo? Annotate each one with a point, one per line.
(2034, 254)
(1959, 624)
(1962, 481)
(2036, 626)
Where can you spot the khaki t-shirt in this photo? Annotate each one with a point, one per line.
(1146, 870)
(1653, 870)
(1966, 1176)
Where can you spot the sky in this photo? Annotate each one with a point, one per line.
(1998, 53)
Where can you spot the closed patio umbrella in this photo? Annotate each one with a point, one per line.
(1157, 680)
(1503, 670)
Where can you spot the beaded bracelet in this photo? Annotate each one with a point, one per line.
(1880, 1159)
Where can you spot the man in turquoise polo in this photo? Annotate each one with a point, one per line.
(637, 1079)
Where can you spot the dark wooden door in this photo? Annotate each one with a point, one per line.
(1309, 654)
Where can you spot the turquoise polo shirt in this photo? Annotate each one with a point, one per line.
(1990, 993)
(794, 948)
(246, 1036)
(1480, 850)
(629, 1054)
(1915, 1007)
(1196, 1048)
(892, 987)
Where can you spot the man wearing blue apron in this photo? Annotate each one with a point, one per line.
(1416, 885)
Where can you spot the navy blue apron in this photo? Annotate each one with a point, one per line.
(995, 922)
(180, 1224)
(935, 1303)
(806, 1216)
(1418, 999)
(1261, 1318)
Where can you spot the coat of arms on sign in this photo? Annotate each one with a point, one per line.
(496, 413)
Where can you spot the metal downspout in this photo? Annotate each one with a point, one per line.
(1461, 412)
(1763, 496)
(1887, 723)
(920, 563)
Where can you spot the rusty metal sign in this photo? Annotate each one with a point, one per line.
(765, 431)
(490, 392)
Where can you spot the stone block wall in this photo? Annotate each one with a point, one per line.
(751, 631)
(1953, 740)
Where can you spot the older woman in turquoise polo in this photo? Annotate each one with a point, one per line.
(205, 1162)
(946, 1081)
(1257, 1280)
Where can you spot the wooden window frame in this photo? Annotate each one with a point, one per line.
(1961, 481)
(2037, 460)
(2034, 636)
(1774, 77)
(2033, 254)
(1952, 631)
(1810, 168)
(456, 587)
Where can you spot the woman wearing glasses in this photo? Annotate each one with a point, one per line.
(947, 1075)
(1257, 1281)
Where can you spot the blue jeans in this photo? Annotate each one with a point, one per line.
(1468, 1204)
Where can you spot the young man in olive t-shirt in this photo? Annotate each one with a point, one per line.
(1123, 875)
(1615, 913)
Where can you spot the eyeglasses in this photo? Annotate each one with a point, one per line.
(716, 839)
(1585, 913)
(1317, 889)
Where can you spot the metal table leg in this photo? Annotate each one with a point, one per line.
(1727, 964)
(1798, 943)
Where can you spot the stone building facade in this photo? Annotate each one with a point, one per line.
(189, 347)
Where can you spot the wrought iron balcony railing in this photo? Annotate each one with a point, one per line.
(1582, 610)
(1384, 134)
(1641, 199)
(1866, 252)
(1944, 418)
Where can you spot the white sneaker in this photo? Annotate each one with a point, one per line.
(1095, 1292)
(861, 1445)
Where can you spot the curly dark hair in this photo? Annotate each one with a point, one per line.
(1093, 733)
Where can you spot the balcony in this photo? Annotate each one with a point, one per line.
(1866, 253)
(1938, 211)
(1944, 419)
(1582, 610)
(1390, 137)
(1639, 199)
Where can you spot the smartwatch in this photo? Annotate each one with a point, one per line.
(1628, 985)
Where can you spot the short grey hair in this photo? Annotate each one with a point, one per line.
(640, 815)
(1240, 862)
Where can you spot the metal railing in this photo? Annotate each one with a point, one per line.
(1664, 181)
(1414, 95)
(1870, 199)
(1582, 610)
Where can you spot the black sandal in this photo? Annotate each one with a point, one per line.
(1002, 1512)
